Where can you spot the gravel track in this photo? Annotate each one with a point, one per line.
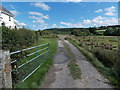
(59, 75)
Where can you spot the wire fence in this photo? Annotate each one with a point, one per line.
(25, 62)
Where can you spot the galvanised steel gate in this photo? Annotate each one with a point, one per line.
(25, 62)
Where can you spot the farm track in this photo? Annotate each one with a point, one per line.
(59, 75)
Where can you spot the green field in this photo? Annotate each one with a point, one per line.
(102, 52)
(100, 32)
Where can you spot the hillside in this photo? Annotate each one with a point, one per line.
(103, 30)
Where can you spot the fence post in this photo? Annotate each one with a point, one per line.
(1, 68)
(6, 62)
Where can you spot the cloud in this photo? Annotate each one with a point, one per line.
(41, 5)
(41, 27)
(73, 0)
(97, 21)
(45, 17)
(38, 14)
(34, 17)
(19, 23)
(39, 21)
(110, 11)
(101, 21)
(35, 13)
(22, 24)
(99, 10)
(14, 12)
(54, 26)
(69, 24)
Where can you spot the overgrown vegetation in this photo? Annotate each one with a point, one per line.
(104, 58)
(74, 68)
(16, 39)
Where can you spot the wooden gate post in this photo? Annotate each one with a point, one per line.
(6, 62)
(1, 70)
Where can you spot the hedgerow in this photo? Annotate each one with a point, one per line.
(16, 39)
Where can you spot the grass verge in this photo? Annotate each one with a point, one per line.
(100, 67)
(73, 67)
(37, 77)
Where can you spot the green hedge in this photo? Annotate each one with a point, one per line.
(16, 39)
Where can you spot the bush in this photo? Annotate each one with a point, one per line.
(16, 39)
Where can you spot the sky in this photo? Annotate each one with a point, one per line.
(43, 15)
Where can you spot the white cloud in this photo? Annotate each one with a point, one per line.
(45, 17)
(97, 21)
(110, 14)
(101, 21)
(69, 24)
(42, 27)
(87, 21)
(54, 26)
(39, 21)
(73, 0)
(39, 14)
(34, 17)
(41, 5)
(20, 23)
(99, 10)
(14, 12)
(35, 13)
(110, 11)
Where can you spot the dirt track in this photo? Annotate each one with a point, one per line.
(59, 75)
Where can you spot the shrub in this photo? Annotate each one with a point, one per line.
(16, 39)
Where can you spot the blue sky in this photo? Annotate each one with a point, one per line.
(42, 15)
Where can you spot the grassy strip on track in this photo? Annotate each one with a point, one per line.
(73, 67)
(36, 78)
(100, 67)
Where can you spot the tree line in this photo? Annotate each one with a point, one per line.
(109, 31)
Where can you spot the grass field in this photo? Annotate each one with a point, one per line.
(102, 52)
(100, 32)
(47, 59)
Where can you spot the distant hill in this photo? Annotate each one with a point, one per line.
(102, 30)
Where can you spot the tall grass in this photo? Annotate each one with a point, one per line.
(107, 62)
